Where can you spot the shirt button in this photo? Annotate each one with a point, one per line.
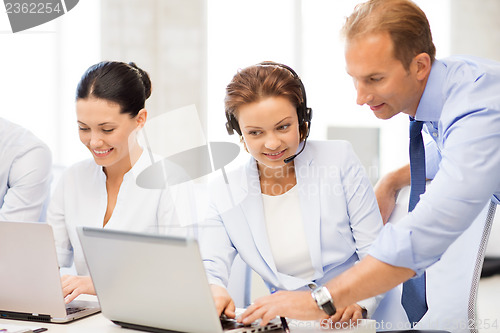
(435, 134)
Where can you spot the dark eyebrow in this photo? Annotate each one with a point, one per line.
(282, 121)
(369, 75)
(252, 127)
(101, 124)
(277, 124)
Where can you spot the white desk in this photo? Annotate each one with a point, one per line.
(95, 323)
(98, 323)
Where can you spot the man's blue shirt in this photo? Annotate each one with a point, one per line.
(461, 109)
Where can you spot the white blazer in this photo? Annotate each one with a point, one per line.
(339, 211)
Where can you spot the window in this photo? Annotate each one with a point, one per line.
(304, 35)
(40, 70)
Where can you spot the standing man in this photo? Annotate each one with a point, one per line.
(25, 174)
(391, 57)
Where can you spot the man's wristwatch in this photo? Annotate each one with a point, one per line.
(322, 297)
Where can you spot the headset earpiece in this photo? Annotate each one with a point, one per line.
(307, 120)
(308, 116)
(232, 124)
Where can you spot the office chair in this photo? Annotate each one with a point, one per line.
(452, 282)
(491, 265)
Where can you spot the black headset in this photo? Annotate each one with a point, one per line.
(304, 113)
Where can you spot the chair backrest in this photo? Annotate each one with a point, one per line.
(452, 282)
(365, 142)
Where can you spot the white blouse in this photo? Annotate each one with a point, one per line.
(80, 199)
(286, 234)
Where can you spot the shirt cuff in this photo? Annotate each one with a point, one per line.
(216, 281)
(64, 257)
(212, 276)
(394, 247)
(370, 304)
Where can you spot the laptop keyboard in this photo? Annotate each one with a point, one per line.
(230, 324)
(71, 311)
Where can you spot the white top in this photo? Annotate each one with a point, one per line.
(80, 199)
(286, 234)
(25, 174)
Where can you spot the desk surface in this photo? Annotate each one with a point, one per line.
(98, 323)
(95, 323)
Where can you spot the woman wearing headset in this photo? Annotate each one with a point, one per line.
(297, 214)
(102, 191)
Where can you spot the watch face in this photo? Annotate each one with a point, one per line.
(322, 295)
(324, 300)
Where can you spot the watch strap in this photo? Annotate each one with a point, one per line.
(329, 308)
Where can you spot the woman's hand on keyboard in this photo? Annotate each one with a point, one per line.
(73, 286)
(223, 302)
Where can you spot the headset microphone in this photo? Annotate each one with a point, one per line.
(309, 116)
(291, 158)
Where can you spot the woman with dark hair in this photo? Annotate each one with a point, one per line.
(297, 214)
(102, 192)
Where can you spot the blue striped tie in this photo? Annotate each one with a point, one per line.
(413, 298)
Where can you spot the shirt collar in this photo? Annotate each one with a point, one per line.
(432, 100)
(142, 163)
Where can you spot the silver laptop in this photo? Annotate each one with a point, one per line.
(30, 287)
(154, 283)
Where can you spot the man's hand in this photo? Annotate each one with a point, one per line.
(350, 314)
(386, 199)
(292, 304)
(73, 286)
(387, 188)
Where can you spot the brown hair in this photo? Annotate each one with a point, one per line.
(257, 82)
(405, 22)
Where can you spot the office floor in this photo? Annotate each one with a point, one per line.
(488, 304)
